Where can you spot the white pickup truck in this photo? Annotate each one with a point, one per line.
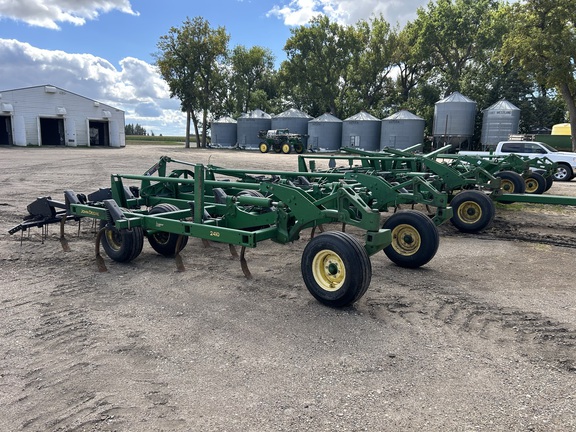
(566, 160)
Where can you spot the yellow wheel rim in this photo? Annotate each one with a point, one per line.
(114, 239)
(406, 240)
(507, 186)
(328, 270)
(531, 185)
(286, 148)
(263, 148)
(469, 212)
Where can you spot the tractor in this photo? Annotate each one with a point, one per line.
(281, 141)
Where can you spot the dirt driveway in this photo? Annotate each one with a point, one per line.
(481, 338)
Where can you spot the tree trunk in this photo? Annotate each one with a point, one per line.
(195, 121)
(204, 126)
(187, 142)
(571, 104)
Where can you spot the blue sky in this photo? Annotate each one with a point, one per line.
(102, 49)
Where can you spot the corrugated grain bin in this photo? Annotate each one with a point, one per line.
(499, 121)
(402, 130)
(224, 132)
(362, 131)
(454, 118)
(294, 120)
(248, 126)
(325, 133)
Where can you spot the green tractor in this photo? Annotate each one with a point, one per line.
(280, 141)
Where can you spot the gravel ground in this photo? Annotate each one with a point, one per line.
(482, 338)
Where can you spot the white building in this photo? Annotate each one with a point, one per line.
(49, 115)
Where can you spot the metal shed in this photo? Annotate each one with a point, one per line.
(49, 115)
(362, 131)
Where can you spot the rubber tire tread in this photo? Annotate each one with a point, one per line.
(428, 234)
(486, 204)
(356, 261)
(167, 249)
(131, 247)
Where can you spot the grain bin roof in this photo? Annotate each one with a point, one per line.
(326, 118)
(403, 115)
(503, 105)
(225, 120)
(362, 116)
(256, 114)
(293, 113)
(455, 97)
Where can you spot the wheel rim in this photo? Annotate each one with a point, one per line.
(114, 239)
(162, 237)
(469, 212)
(507, 185)
(561, 173)
(263, 148)
(285, 148)
(531, 185)
(328, 270)
(406, 240)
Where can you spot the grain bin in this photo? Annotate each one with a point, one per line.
(454, 118)
(499, 121)
(294, 120)
(325, 133)
(402, 130)
(362, 131)
(248, 126)
(224, 132)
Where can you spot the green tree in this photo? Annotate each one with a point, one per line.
(190, 60)
(543, 43)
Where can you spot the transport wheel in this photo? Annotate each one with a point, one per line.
(511, 182)
(564, 172)
(122, 245)
(415, 238)
(286, 148)
(299, 148)
(336, 268)
(549, 182)
(535, 184)
(473, 211)
(264, 147)
(162, 242)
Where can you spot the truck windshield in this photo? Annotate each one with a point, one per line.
(552, 149)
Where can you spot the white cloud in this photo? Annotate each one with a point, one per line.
(299, 12)
(49, 13)
(137, 88)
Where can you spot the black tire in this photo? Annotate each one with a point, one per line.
(564, 172)
(299, 148)
(473, 211)
(511, 182)
(122, 245)
(264, 147)
(535, 184)
(162, 242)
(549, 182)
(277, 147)
(286, 148)
(415, 238)
(336, 269)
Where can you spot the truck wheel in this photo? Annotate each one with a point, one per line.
(535, 184)
(473, 211)
(564, 172)
(511, 182)
(286, 148)
(162, 242)
(122, 245)
(264, 147)
(415, 238)
(299, 148)
(336, 268)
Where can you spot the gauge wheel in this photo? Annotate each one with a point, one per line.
(549, 182)
(163, 242)
(122, 245)
(336, 268)
(473, 211)
(535, 184)
(415, 238)
(511, 182)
